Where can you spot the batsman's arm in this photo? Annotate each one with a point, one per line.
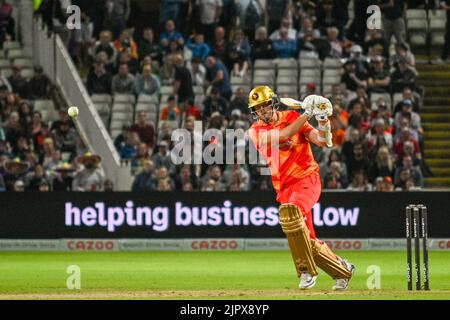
(277, 136)
(321, 137)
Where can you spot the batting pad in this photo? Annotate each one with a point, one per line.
(294, 227)
(328, 261)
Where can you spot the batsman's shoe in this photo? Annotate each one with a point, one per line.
(342, 284)
(307, 281)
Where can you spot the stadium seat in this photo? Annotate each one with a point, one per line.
(23, 62)
(146, 98)
(16, 53)
(198, 90)
(310, 73)
(309, 63)
(416, 14)
(101, 98)
(6, 72)
(27, 73)
(418, 39)
(166, 90)
(417, 25)
(287, 80)
(172, 124)
(286, 63)
(397, 98)
(437, 25)
(41, 105)
(437, 14)
(287, 73)
(8, 45)
(147, 106)
(122, 107)
(4, 63)
(264, 64)
(437, 38)
(121, 116)
(332, 63)
(264, 73)
(102, 108)
(290, 90)
(123, 98)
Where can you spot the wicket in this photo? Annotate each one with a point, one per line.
(416, 226)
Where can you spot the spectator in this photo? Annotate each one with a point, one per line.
(446, 48)
(39, 131)
(356, 54)
(163, 181)
(387, 185)
(402, 53)
(83, 36)
(18, 83)
(125, 57)
(116, 15)
(129, 149)
(212, 180)
(217, 76)
(13, 129)
(184, 177)
(4, 84)
(376, 44)
(406, 137)
(332, 13)
(123, 82)
(120, 140)
(285, 47)
(309, 48)
(307, 28)
(148, 47)
(285, 24)
(105, 44)
(214, 103)
(65, 139)
(262, 46)
(155, 65)
(7, 22)
(336, 48)
(91, 177)
(198, 72)
(407, 95)
(40, 85)
(109, 66)
(336, 166)
(358, 160)
(142, 155)
(198, 47)
(239, 102)
(192, 110)
(276, 11)
(220, 44)
(361, 97)
(183, 82)
(63, 117)
(413, 172)
(35, 178)
(144, 180)
(169, 10)
(379, 136)
(99, 81)
(383, 165)
(394, 12)
(171, 111)
(403, 76)
(145, 129)
(359, 182)
(162, 158)
(15, 170)
(209, 13)
(236, 176)
(147, 83)
(238, 54)
(44, 185)
(413, 117)
(170, 34)
(25, 116)
(379, 79)
(351, 79)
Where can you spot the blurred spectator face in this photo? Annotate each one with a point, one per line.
(283, 33)
(123, 70)
(404, 123)
(350, 67)
(405, 174)
(239, 94)
(407, 162)
(360, 92)
(359, 178)
(400, 51)
(285, 23)
(142, 149)
(379, 184)
(124, 36)
(171, 103)
(402, 65)
(332, 183)
(147, 60)
(383, 154)
(162, 173)
(199, 39)
(358, 151)
(147, 71)
(307, 24)
(24, 108)
(56, 155)
(99, 67)
(354, 136)
(13, 118)
(408, 94)
(148, 34)
(16, 71)
(378, 65)
(19, 186)
(210, 62)
(357, 108)
(332, 33)
(105, 37)
(38, 171)
(102, 56)
(380, 126)
(173, 46)
(334, 156)
(261, 34)
(409, 184)
(108, 185)
(163, 185)
(335, 168)
(133, 138)
(48, 146)
(185, 173)
(215, 94)
(238, 36)
(142, 118)
(407, 106)
(89, 163)
(170, 26)
(210, 185)
(148, 166)
(189, 124)
(336, 89)
(125, 57)
(215, 173)
(219, 33)
(408, 148)
(22, 143)
(187, 186)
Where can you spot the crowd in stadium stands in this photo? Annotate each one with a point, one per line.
(377, 147)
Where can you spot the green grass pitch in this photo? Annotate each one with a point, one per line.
(205, 275)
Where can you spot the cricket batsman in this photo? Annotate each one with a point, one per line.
(282, 138)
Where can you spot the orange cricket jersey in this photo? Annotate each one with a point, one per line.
(288, 163)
